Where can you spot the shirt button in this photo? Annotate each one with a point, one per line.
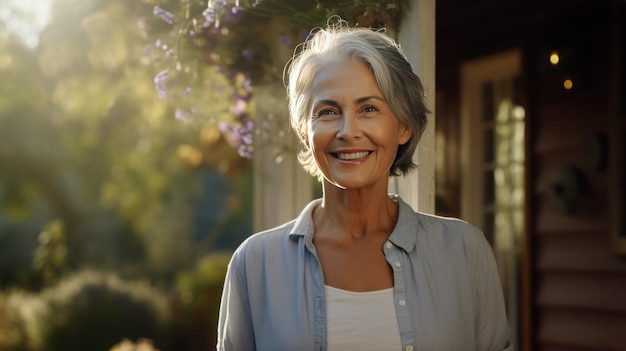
(409, 348)
(398, 264)
(389, 245)
(402, 303)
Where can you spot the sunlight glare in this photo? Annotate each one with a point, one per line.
(26, 19)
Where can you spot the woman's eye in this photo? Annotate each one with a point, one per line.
(369, 109)
(325, 113)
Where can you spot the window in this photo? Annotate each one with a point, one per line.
(492, 158)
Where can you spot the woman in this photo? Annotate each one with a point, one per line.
(359, 269)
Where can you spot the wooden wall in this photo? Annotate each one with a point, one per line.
(575, 284)
(579, 296)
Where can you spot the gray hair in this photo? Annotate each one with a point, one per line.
(401, 88)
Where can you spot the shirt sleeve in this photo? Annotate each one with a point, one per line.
(492, 327)
(235, 330)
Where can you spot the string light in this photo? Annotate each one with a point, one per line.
(568, 84)
(554, 58)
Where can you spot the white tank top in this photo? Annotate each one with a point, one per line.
(361, 320)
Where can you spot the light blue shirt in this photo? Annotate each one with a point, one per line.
(447, 292)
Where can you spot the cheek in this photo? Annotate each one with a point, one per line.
(319, 134)
(384, 135)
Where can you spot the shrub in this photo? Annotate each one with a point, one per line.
(92, 311)
(141, 345)
(12, 334)
(200, 291)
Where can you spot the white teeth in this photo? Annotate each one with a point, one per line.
(352, 155)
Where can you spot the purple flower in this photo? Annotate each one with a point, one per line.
(247, 84)
(164, 14)
(159, 83)
(234, 139)
(181, 115)
(245, 151)
(209, 16)
(217, 4)
(247, 138)
(239, 105)
(233, 14)
(223, 126)
(168, 51)
(285, 40)
(244, 118)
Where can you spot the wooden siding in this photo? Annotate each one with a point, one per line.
(579, 300)
(574, 294)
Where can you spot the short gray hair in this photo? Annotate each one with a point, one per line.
(401, 88)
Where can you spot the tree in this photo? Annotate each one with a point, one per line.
(85, 140)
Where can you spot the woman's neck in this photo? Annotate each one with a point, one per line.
(355, 214)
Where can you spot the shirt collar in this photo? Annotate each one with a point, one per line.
(303, 227)
(403, 235)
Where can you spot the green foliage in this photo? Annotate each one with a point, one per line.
(200, 291)
(140, 345)
(85, 140)
(92, 311)
(242, 38)
(12, 333)
(49, 260)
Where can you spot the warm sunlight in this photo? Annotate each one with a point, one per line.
(25, 18)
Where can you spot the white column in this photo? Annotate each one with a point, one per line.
(417, 38)
(281, 189)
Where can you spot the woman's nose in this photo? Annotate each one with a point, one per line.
(349, 127)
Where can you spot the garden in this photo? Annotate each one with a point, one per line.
(127, 134)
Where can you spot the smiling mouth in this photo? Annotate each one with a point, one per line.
(350, 156)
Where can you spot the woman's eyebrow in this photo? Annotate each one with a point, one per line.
(365, 98)
(358, 101)
(326, 102)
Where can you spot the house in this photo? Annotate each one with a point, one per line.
(530, 144)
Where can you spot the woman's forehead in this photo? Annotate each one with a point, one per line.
(352, 78)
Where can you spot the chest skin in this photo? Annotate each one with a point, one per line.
(354, 266)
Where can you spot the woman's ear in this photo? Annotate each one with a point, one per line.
(405, 134)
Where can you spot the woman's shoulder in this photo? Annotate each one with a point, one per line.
(448, 223)
(282, 236)
(429, 221)
(267, 238)
(434, 229)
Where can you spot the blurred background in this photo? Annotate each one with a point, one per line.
(126, 140)
(117, 217)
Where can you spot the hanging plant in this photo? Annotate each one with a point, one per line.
(204, 52)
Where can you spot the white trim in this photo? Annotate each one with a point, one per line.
(473, 75)
(281, 189)
(417, 37)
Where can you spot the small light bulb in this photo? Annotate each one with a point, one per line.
(554, 58)
(568, 84)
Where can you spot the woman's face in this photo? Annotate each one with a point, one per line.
(352, 132)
